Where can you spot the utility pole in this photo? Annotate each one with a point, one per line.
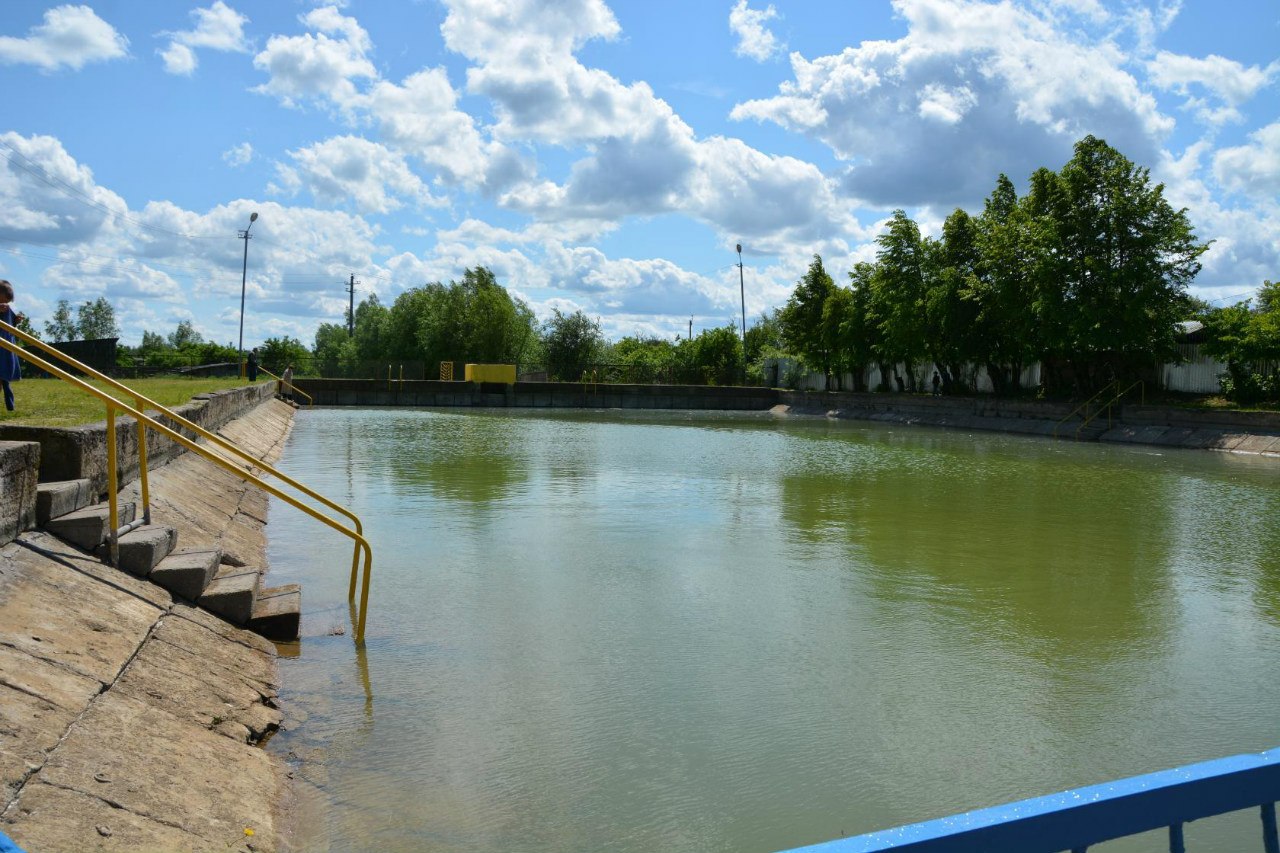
(742, 290)
(351, 310)
(690, 327)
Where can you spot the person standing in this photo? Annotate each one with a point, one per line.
(10, 367)
(937, 384)
(286, 383)
(251, 366)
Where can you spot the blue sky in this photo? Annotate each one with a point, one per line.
(599, 156)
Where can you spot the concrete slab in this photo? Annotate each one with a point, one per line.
(57, 499)
(57, 614)
(125, 752)
(38, 821)
(177, 676)
(19, 461)
(38, 701)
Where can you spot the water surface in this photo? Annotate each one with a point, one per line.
(650, 631)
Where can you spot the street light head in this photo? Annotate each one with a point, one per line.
(253, 217)
(739, 248)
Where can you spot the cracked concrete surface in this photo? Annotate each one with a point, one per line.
(128, 719)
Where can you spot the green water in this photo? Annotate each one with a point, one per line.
(700, 632)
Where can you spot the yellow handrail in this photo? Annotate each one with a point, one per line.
(1107, 405)
(1085, 406)
(143, 402)
(142, 418)
(293, 388)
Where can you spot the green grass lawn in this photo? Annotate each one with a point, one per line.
(52, 402)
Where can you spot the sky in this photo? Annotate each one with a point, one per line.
(606, 157)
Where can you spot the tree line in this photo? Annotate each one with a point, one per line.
(1086, 273)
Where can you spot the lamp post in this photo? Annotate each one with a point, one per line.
(742, 290)
(244, 272)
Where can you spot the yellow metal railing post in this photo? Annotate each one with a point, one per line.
(113, 508)
(388, 377)
(142, 465)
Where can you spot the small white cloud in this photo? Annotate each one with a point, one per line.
(238, 155)
(70, 36)
(755, 40)
(179, 59)
(316, 65)
(218, 27)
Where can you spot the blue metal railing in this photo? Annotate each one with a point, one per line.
(1074, 820)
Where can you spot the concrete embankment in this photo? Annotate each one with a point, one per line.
(130, 721)
(535, 395)
(1165, 426)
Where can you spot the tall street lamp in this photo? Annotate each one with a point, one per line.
(244, 271)
(742, 289)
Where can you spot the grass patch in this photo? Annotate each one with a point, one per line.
(52, 402)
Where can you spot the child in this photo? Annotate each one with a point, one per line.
(286, 383)
(10, 369)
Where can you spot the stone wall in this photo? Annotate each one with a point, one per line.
(379, 392)
(72, 453)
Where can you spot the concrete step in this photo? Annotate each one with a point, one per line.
(187, 573)
(89, 527)
(142, 548)
(56, 499)
(231, 594)
(277, 614)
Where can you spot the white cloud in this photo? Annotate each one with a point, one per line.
(1253, 169)
(71, 36)
(48, 197)
(755, 40)
(219, 27)
(315, 65)
(974, 89)
(238, 155)
(371, 176)
(1227, 81)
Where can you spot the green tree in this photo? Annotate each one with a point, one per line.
(335, 351)
(62, 327)
(951, 316)
(803, 329)
(898, 291)
(275, 354)
(644, 360)
(714, 357)
(184, 336)
(1127, 257)
(1247, 337)
(572, 342)
(96, 320)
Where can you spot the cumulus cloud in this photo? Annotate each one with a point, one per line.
(371, 176)
(71, 37)
(973, 89)
(48, 197)
(219, 27)
(1226, 83)
(322, 64)
(1253, 169)
(755, 40)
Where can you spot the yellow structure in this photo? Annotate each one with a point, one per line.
(490, 373)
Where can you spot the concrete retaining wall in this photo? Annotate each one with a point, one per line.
(378, 392)
(18, 461)
(71, 453)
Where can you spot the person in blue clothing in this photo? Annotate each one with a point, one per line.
(10, 369)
